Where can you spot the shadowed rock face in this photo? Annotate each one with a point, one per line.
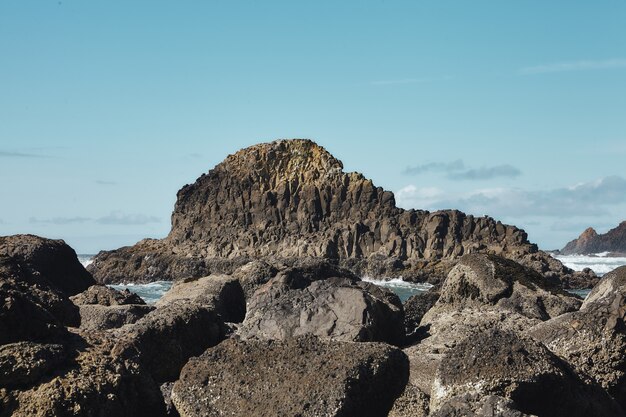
(593, 339)
(291, 198)
(591, 242)
(50, 262)
(504, 364)
(297, 377)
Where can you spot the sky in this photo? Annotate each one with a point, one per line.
(515, 110)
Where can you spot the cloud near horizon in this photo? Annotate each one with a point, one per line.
(119, 218)
(457, 170)
(114, 218)
(583, 65)
(585, 199)
(10, 154)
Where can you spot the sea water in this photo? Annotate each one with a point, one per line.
(600, 263)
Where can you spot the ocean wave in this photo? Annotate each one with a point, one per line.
(86, 260)
(600, 263)
(403, 289)
(150, 292)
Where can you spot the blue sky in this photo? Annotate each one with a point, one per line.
(512, 109)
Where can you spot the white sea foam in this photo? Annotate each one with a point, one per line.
(600, 263)
(150, 292)
(86, 260)
(403, 289)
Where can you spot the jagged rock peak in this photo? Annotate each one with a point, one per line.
(591, 242)
(282, 160)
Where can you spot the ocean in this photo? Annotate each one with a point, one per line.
(600, 263)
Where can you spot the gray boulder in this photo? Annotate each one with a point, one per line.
(297, 377)
(504, 364)
(478, 406)
(98, 317)
(294, 304)
(105, 296)
(481, 292)
(221, 293)
(593, 339)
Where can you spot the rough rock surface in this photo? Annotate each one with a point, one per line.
(93, 383)
(412, 403)
(295, 303)
(24, 363)
(98, 317)
(482, 292)
(504, 364)
(298, 377)
(291, 198)
(416, 307)
(50, 262)
(166, 338)
(31, 310)
(591, 242)
(222, 293)
(253, 275)
(593, 339)
(478, 406)
(105, 296)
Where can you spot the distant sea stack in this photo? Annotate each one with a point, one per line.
(591, 242)
(290, 199)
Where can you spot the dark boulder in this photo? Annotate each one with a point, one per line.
(166, 338)
(593, 339)
(50, 262)
(105, 296)
(504, 364)
(297, 377)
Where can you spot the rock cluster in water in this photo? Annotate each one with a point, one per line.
(590, 242)
(290, 199)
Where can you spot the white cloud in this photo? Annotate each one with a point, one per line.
(592, 198)
(584, 65)
(457, 170)
(119, 218)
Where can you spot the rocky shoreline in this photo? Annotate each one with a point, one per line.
(311, 339)
(268, 315)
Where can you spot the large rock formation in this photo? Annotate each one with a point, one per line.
(298, 377)
(591, 242)
(291, 199)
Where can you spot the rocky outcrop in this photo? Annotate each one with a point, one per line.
(51, 263)
(593, 339)
(416, 307)
(503, 364)
(166, 338)
(97, 317)
(482, 292)
(24, 363)
(302, 301)
(291, 199)
(31, 309)
(478, 406)
(297, 377)
(90, 382)
(105, 296)
(591, 242)
(221, 293)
